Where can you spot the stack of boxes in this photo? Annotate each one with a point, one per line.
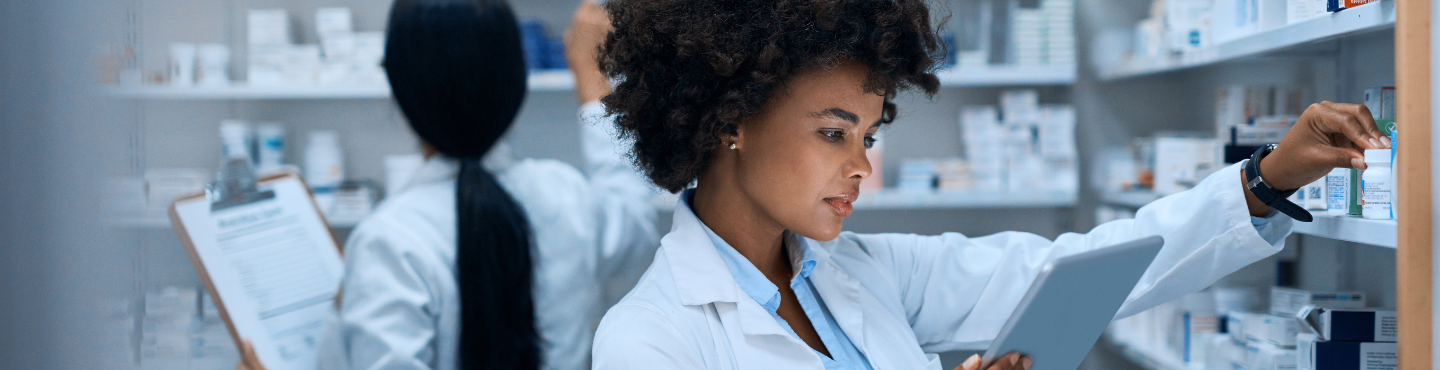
(1032, 148)
(1044, 35)
(343, 57)
(1220, 329)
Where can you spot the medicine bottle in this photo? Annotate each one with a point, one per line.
(1375, 185)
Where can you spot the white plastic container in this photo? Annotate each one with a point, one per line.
(1337, 192)
(269, 146)
(1376, 186)
(324, 163)
(214, 65)
(235, 136)
(182, 64)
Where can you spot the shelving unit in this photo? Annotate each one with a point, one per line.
(1145, 355)
(1365, 18)
(1351, 229)
(550, 81)
(898, 199)
(1008, 76)
(541, 81)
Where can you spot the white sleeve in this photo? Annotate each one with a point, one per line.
(627, 237)
(958, 291)
(387, 316)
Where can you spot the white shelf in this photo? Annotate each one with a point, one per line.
(1365, 18)
(1146, 356)
(1350, 229)
(542, 81)
(1007, 76)
(891, 199)
(1132, 199)
(162, 223)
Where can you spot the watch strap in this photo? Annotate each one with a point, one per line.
(1271, 197)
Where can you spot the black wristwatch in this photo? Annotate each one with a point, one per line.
(1268, 195)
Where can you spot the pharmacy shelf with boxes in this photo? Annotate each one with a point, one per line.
(1348, 204)
(1232, 328)
(1183, 34)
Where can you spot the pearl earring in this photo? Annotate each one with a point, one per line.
(732, 146)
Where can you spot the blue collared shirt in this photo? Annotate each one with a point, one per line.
(845, 356)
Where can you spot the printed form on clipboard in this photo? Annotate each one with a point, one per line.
(266, 254)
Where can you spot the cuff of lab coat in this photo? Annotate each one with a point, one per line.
(1272, 228)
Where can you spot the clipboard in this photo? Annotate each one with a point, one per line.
(269, 259)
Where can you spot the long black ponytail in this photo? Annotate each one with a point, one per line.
(457, 71)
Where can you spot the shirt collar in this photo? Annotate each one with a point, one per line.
(749, 278)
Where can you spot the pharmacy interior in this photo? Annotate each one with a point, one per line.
(1054, 116)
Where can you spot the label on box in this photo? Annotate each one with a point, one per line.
(1359, 325)
(1327, 355)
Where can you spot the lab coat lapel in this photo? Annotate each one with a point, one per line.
(841, 293)
(883, 337)
(704, 279)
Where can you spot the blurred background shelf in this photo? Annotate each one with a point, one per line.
(1365, 18)
(162, 223)
(1007, 76)
(891, 199)
(1145, 356)
(540, 81)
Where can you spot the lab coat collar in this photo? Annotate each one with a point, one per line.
(841, 293)
(703, 278)
(441, 168)
(437, 168)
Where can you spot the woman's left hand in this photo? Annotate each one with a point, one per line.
(1327, 136)
(1010, 361)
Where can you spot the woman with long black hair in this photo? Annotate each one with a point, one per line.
(483, 264)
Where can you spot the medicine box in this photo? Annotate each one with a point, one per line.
(1314, 354)
(1263, 356)
(1271, 329)
(1287, 302)
(1364, 325)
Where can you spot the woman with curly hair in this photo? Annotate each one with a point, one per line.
(767, 107)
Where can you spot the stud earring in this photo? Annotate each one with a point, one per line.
(732, 146)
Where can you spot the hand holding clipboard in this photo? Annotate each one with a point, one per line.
(266, 254)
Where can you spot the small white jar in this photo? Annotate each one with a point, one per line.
(1376, 188)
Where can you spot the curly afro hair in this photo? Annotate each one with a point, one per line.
(689, 69)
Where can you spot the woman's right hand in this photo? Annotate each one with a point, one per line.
(1010, 361)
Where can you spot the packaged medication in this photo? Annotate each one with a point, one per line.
(1315, 354)
(235, 139)
(324, 168)
(1312, 196)
(1338, 192)
(1357, 325)
(213, 68)
(1302, 10)
(270, 146)
(268, 27)
(1263, 356)
(1287, 302)
(1381, 102)
(330, 21)
(1377, 186)
(1338, 5)
(182, 64)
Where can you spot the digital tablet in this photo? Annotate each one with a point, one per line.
(1071, 302)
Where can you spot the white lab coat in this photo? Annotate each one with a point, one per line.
(399, 306)
(899, 296)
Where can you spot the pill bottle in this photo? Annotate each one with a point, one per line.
(1375, 185)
